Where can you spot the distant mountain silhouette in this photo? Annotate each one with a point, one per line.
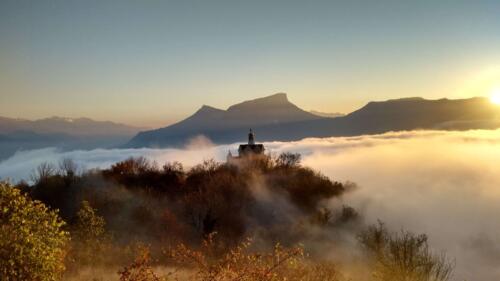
(275, 118)
(68, 126)
(272, 110)
(63, 133)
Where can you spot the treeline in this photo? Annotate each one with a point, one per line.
(140, 199)
(200, 219)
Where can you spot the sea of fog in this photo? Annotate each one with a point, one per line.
(445, 184)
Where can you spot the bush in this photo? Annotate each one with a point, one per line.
(403, 256)
(237, 264)
(140, 269)
(32, 243)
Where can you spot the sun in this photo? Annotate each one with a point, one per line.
(495, 96)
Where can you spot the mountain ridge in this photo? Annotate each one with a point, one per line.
(274, 118)
(81, 126)
(64, 133)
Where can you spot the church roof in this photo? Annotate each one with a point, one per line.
(255, 148)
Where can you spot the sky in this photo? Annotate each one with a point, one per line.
(150, 63)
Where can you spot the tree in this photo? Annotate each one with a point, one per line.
(32, 242)
(289, 160)
(68, 167)
(89, 236)
(132, 166)
(89, 225)
(403, 256)
(43, 172)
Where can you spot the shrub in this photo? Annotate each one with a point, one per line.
(237, 264)
(241, 264)
(140, 269)
(32, 243)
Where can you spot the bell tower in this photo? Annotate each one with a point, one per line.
(247, 151)
(251, 138)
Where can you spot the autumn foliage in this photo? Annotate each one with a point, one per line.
(32, 241)
(257, 219)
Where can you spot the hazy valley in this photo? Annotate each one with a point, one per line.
(249, 140)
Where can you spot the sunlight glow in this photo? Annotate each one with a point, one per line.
(495, 96)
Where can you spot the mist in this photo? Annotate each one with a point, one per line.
(444, 184)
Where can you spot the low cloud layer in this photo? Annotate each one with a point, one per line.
(445, 184)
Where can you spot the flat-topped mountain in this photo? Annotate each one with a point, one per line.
(271, 110)
(275, 118)
(275, 109)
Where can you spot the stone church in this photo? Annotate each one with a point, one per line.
(251, 149)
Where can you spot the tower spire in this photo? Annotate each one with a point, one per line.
(251, 138)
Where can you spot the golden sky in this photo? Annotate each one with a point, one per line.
(151, 63)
